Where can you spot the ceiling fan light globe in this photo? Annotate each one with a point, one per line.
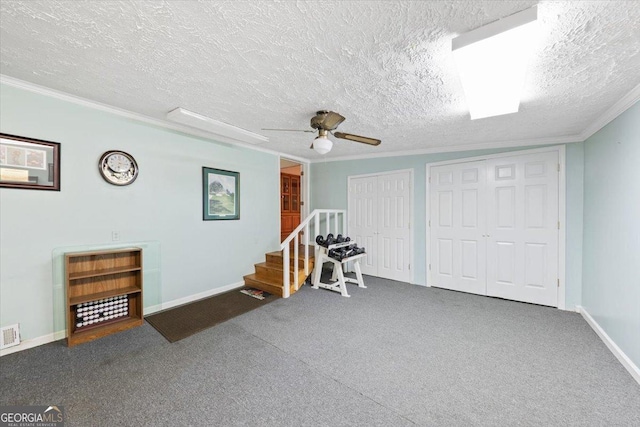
(322, 145)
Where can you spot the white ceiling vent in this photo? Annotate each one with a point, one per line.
(9, 336)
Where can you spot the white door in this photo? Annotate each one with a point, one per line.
(494, 227)
(457, 244)
(379, 221)
(522, 228)
(363, 219)
(394, 233)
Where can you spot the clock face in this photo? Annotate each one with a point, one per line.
(118, 168)
(118, 162)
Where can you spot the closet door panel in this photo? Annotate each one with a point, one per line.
(363, 220)
(394, 232)
(522, 225)
(457, 245)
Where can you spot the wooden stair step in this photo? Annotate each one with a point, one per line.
(267, 285)
(277, 258)
(268, 275)
(274, 271)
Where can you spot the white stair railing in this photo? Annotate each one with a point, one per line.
(312, 227)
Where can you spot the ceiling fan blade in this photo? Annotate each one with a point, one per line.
(357, 138)
(291, 130)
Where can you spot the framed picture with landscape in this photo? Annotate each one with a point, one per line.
(29, 163)
(220, 194)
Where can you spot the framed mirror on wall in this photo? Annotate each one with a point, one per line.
(29, 163)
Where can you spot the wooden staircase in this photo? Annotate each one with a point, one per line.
(268, 275)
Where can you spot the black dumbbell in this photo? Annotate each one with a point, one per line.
(338, 254)
(355, 251)
(330, 240)
(340, 238)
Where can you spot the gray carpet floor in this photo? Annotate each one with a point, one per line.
(391, 355)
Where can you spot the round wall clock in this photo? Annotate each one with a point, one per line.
(118, 167)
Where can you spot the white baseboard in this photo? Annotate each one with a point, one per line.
(195, 297)
(34, 342)
(58, 335)
(613, 347)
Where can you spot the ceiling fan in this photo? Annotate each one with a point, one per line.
(326, 122)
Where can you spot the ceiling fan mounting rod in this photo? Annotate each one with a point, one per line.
(316, 121)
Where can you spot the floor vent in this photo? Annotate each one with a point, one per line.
(9, 336)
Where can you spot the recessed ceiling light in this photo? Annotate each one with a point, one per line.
(492, 62)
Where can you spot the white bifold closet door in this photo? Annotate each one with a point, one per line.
(458, 248)
(494, 227)
(522, 228)
(363, 220)
(379, 220)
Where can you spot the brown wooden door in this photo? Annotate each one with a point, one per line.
(289, 204)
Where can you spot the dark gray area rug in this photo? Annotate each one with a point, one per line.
(391, 355)
(180, 322)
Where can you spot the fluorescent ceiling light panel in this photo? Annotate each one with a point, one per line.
(492, 62)
(189, 118)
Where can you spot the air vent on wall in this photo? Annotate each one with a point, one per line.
(9, 336)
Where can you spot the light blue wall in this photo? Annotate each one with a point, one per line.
(163, 205)
(611, 267)
(573, 236)
(329, 190)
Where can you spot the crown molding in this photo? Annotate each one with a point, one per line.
(42, 90)
(614, 111)
(216, 127)
(455, 148)
(609, 115)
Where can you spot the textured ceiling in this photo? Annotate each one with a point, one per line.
(385, 65)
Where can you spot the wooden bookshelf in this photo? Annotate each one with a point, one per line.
(103, 293)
